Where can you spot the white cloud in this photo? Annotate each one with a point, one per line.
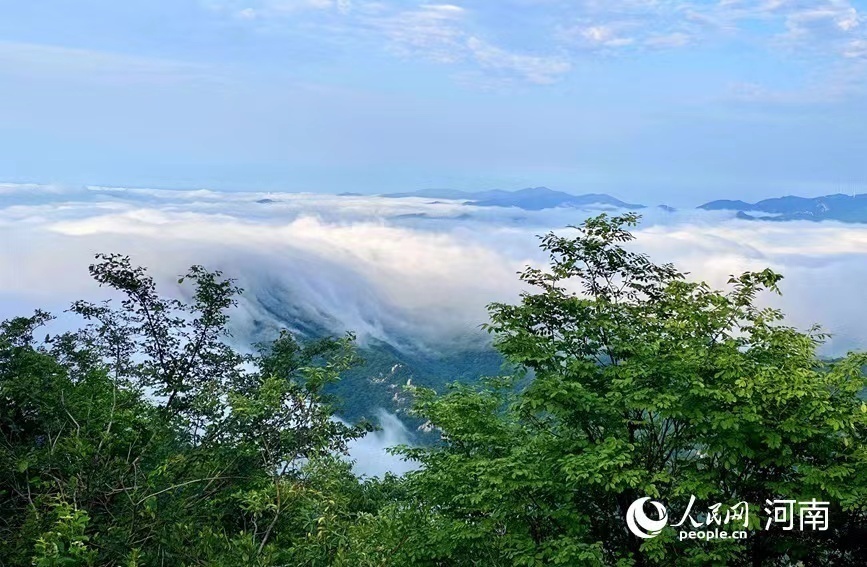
(609, 26)
(433, 31)
(370, 452)
(828, 21)
(538, 70)
(816, 25)
(603, 36)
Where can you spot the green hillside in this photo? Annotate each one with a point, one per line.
(380, 380)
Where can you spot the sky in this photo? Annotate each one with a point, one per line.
(656, 101)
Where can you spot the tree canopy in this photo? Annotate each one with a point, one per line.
(145, 439)
(643, 383)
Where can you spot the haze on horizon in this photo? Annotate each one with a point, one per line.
(654, 101)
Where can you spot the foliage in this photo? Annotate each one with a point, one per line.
(379, 380)
(643, 384)
(145, 439)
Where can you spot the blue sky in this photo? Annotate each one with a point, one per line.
(651, 100)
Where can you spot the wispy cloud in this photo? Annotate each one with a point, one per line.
(814, 25)
(471, 32)
(538, 70)
(432, 31)
(439, 32)
(600, 35)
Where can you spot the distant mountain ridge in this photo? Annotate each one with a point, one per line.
(839, 207)
(530, 199)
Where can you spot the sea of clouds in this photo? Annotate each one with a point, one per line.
(409, 271)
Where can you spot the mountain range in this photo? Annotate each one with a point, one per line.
(839, 207)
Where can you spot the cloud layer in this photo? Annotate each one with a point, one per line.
(408, 271)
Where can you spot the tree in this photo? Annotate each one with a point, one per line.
(640, 383)
(145, 439)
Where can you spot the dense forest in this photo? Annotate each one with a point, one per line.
(382, 371)
(142, 438)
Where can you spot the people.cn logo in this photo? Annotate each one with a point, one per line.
(640, 524)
